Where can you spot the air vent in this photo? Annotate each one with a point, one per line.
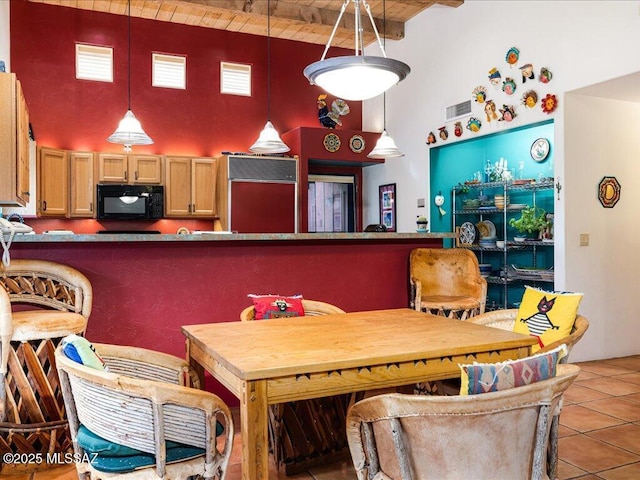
(262, 169)
(458, 110)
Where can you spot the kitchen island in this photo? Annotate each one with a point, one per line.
(146, 286)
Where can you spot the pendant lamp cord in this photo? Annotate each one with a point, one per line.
(384, 45)
(269, 60)
(129, 55)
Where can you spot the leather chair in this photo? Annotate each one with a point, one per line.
(500, 434)
(307, 433)
(447, 282)
(40, 303)
(144, 400)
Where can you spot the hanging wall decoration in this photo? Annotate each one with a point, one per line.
(490, 110)
(479, 94)
(474, 124)
(331, 142)
(331, 118)
(529, 98)
(549, 103)
(387, 194)
(444, 134)
(545, 75)
(513, 54)
(509, 86)
(457, 129)
(431, 138)
(609, 192)
(527, 72)
(495, 77)
(508, 113)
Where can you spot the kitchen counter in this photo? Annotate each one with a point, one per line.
(229, 237)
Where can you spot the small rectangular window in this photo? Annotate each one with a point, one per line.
(94, 63)
(169, 71)
(235, 79)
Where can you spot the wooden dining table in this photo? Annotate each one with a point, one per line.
(279, 360)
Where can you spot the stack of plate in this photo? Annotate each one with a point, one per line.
(499, 201)
(485, 269)
(488, 242)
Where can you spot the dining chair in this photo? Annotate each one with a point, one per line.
(144, 417)
(40, 303)
(497, 435)
(307, 433)
(447, 282)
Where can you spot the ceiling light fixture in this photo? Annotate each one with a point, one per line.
(129, 131)
(359, 76)
(385, 146)
(269, 140)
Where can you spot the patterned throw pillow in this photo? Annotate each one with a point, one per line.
(491, 377)
(277, 306)
(547, 315)
(81, 350)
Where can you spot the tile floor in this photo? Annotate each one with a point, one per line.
(599, 435)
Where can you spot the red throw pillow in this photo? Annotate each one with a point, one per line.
(277, 306)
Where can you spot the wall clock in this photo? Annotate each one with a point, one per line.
(540, 149)
(331, 142)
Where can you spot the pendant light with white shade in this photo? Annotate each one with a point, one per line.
(358, 76)
(129, 131)
(385, 146)
(269, 140)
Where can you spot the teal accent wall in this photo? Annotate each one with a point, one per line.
(456, 163)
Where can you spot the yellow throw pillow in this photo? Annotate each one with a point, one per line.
(546, 315)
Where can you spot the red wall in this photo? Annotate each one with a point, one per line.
(80, 115)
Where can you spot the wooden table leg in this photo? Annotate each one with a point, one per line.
(255, 442)
(195, 365)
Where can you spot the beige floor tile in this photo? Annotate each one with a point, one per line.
(635, 397)
(628, 472)
(629, 377)
(583, 419)
(626, 437)
(601, 368)
(567, 472)
(566, 431)
(616, 407)
(586, 375)
(593, 455)
(632, 363)
(611, 386)
(578, 394)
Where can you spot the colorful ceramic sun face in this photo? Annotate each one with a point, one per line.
(549, 103)
(479, 94)
(474, 124)
(545, 75)
(512, 56)
(495, 77)
(529, 99)
(508, 113)
(509, 86)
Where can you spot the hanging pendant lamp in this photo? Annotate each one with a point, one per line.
(129, 131)
(359, 76)
(385, 146)
(269, 140)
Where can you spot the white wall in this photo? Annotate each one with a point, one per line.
(451, 51)
(5, 31)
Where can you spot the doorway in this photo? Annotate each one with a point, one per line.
(331, 203)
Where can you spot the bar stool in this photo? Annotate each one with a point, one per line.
(53, 301)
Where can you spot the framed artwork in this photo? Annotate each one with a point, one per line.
(388, 206)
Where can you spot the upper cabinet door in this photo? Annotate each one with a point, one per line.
(82, 187)
(145, 169)
(53, 170)
(113, 168)
(203, 187)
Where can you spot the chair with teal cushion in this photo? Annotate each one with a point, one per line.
(141, 418)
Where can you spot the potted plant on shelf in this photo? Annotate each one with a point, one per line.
(531, 223)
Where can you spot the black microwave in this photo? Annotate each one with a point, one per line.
(130, 202)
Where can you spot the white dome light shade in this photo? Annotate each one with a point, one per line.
(356, 77)
(385, 148)
(269, 141)
(129, 132)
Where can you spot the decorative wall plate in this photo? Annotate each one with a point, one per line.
(609, 191)
(331, 142)
(540, 149)
(356, 144)
(467, 233)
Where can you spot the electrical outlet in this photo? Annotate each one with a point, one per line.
(421, 202)
(584, 239)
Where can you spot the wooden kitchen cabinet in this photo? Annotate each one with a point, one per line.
(14, 143)
(130, 169)
(66, 183)
(190, 186)
(53, 182)
(82, 189)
